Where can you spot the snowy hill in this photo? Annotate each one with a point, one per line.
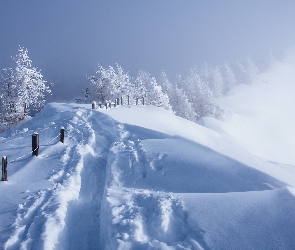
(139, 177)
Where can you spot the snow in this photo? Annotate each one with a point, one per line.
(139, 177)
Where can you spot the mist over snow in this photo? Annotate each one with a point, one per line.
(140, 177)
(260, 116)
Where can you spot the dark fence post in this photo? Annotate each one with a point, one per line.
(128, 99)
(118, 103)
(106, 104)
(142, 100)
(110, 104)
(25, 108)
(62, 134)
(93, 105)
(4, 168)
(35, 144)
(115, 103)
(99, 104)
(121, 100)
(136, 101)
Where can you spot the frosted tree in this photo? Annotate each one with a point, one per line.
(32, 85)
(217, 83)
(11, 109)
(147, 87)
(164, 82)
(110, 84)
(22, 88)
(251, 69)
(124, 86)
(199, 94)
(181, 105)
(141, 82)
(99, 93)
(229, 78)
(246, 71)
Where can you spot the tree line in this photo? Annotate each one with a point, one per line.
(190, 96)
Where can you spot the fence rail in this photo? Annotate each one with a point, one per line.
(61, 135)
(35, 151)
(117, 102)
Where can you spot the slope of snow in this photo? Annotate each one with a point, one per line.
(139, 178)
(260, 117)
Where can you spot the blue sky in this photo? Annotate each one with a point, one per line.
(67, 39)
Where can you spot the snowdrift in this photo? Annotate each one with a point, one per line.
(139, 177)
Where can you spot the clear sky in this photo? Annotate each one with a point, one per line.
(67, 39)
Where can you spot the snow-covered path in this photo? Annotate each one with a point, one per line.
(138, 178)
(59, 191)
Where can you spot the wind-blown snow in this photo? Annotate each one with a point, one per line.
(139, 177)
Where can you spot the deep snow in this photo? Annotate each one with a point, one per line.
(138, 177)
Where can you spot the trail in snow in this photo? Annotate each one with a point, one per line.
(82, 229)
(66, 197)
(138, 182)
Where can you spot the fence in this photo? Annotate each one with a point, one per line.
(118, 101)
(61, 135)
(35, 151)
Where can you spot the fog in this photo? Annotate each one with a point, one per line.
(67, 39)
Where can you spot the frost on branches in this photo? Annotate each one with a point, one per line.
(192, 96)
(22, 89)
(110, 84)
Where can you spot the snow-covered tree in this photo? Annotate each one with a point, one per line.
(124, 85)
(229, 78)
(98, 82)
(32, 85)
(251, 69)
(246, 71)
(110, 84)
(147, 87)
(22, 88)
(166, 85)
(217, 83)
(181, 105)
(11, 109)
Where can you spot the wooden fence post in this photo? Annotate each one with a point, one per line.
(110, 104)
(93, 105)
(62, 134)
(128, 99)
(106, 104)
(142, 100)
(4, 168)
(118, 103)
(115, 103)
(25, 108)
(136, 101)
(121, 100)
(99, 104)
(35, 144)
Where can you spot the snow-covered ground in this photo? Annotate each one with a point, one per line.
(139, 177)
